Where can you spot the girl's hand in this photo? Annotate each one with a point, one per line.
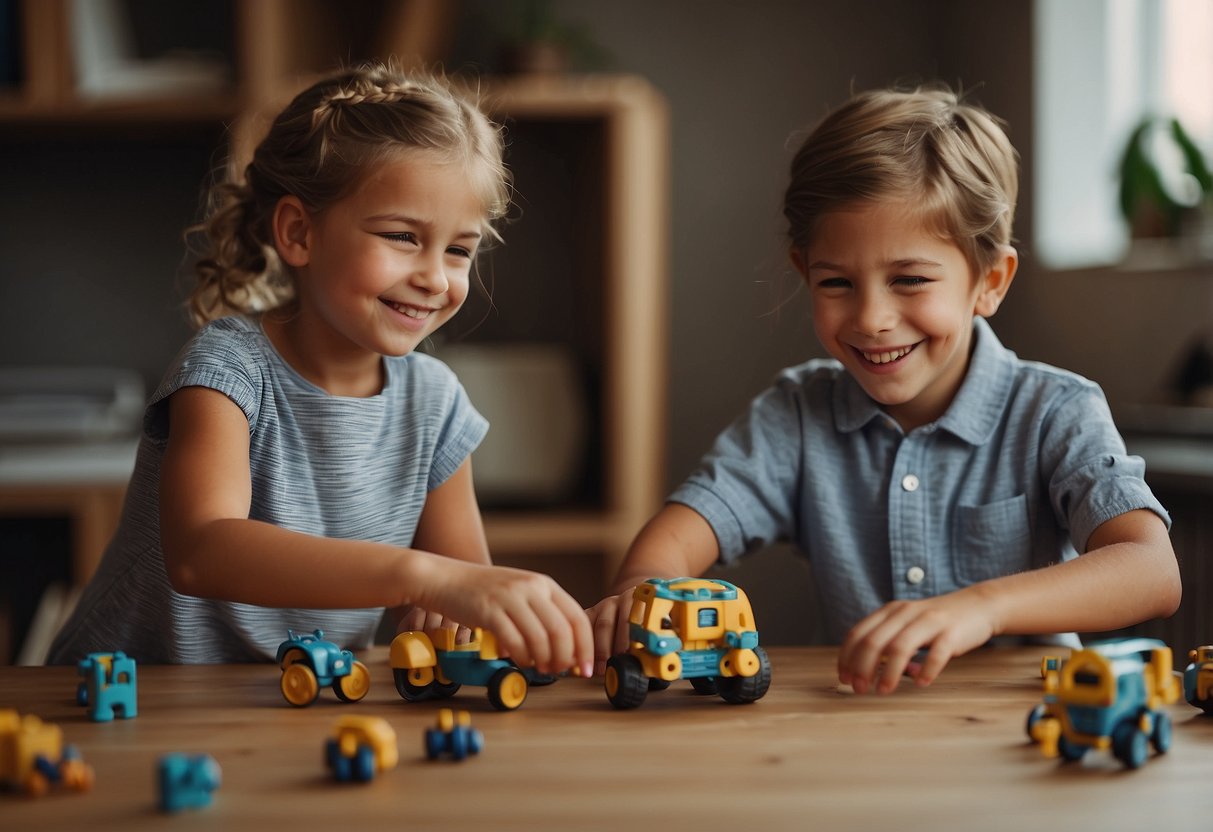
(609, 618)
(417, 619)
(879, 649)
(536, 622)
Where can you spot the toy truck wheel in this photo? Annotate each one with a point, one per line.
(705, 685)
(1070, 750)
(409, 689)
(364, 764)
(1161, 738)
(1129, 744)
(354, 686)
(625, 682)
(1034, 716)
(740, 690)
(299, 685)
(507, 689)
(658, 684)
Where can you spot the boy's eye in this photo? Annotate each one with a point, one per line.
(912, 281)
(834, 283)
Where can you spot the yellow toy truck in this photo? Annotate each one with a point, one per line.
(1108, 696)
(689, 628)
(429, 665)
(33, 756)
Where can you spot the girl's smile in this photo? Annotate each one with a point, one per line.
(379, 270)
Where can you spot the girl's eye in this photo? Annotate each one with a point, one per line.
(459, 251)
(912, 282)
(400, 236)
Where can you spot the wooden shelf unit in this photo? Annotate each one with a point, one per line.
(279, 45)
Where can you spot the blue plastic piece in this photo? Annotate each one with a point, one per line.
(187, 781)
(109, 688)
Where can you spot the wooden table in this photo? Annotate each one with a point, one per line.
(806, 757)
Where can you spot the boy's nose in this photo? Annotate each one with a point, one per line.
(874, 315)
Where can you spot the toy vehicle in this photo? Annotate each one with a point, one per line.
(454, 735)
(428, 665)
(187, 781)
(689, 628)
(33, 756)
(309, 663)
(1109, 695)
(109, 687)
(360, 747)
(1198, 678)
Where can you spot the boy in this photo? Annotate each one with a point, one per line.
(942, 487)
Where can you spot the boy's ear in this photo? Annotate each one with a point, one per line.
(996, 282)
(292, 229)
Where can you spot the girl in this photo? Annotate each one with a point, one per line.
(300, 463)
(942, 487)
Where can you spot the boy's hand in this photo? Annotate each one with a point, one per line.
(879, 649)
(609, 618)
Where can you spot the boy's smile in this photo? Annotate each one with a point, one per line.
(894, 303)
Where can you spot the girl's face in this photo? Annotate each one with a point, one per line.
(390, 263)
(895, 303)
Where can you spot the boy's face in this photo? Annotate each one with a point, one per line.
(895, 303)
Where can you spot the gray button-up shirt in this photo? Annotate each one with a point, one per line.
(1025, 464)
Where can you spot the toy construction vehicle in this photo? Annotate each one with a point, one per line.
(1107, 696)
(689, 628)
(33, 756)
(429, 665)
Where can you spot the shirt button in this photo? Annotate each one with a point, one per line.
(909, 482)
(915, 574)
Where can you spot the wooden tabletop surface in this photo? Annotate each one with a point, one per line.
(808, 756)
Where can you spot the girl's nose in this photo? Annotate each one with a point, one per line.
(430, 275)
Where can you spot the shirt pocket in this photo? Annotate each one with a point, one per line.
(992, 540)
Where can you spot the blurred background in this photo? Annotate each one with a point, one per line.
(643, 295)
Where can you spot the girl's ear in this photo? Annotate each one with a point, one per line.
(996, 282)
(292, 230)
(796, 255)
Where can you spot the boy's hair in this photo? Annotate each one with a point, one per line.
(949, 160)
(319, 149)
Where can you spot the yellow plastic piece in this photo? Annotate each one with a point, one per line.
(412, 650)
(488, 644)
(25, 738)
(513, 690)
(740, 663)
(372, 731)
(1047, 732)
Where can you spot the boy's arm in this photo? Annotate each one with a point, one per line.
(677, 542)
(213, 550)
(1128, 574)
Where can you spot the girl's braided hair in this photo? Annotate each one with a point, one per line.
(319, 149)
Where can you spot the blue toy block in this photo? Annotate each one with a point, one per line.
(187, 781)
(109, 688)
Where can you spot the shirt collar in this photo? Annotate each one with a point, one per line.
(973, 414)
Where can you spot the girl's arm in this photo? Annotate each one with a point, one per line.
(1128, 574)
(451, 524)
(213, 550)
(677, 542)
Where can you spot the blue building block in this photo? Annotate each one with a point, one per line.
(109, 688)
(187, 781)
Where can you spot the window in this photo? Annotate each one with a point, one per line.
(1101, 67)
